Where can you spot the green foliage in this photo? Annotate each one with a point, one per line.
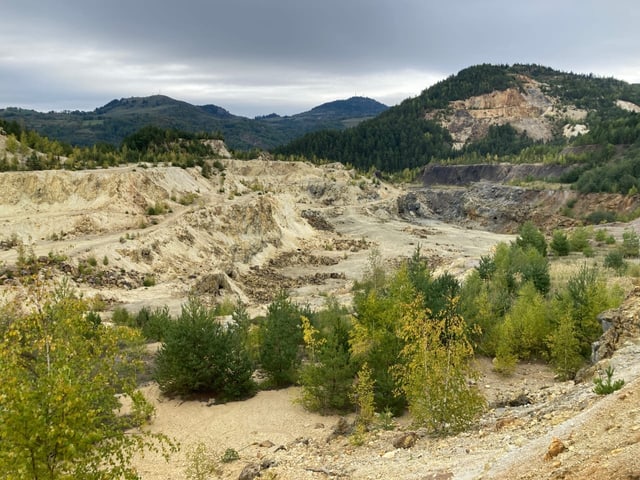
(600, 216)
(564, 348)
(200, 355)
(615, 260)
(579, 239)
(374, 337)
(121, 316)
(153, 324)
(532, 266)
(531, 236)
(602, 235)
(605, 386)
(61, 377)
(436, 369)
(560, 244)
(612, 175)
(327, 375)
(159, 208)
(281, 338)
(630, 243)
(230, 455)
(143, 122)
(487, 267)
(436, 292)
(363, 397)
(500, 140)
(202, 464)
(526, 326)
(586, 295)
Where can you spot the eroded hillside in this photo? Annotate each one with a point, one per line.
(250, 229)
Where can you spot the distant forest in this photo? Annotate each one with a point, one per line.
(399, 139)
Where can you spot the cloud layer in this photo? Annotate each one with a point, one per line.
(260, 56)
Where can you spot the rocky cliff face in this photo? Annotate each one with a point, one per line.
(528, 109)
(434, 174)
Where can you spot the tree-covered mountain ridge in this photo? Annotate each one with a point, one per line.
(496, 110)
(116, 120)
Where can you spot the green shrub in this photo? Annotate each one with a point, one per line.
(199, 355)
(149, 281)
(564, 348)
(158, 209)
(605, 386)
(530, 235)
(615, 260)
(600, 216)
(579, 239)
(121, 316)
(630, 243)
(229, 455)
(154, 324)
(560, 244)
(281, 338)
(327, 375)
(202, 464)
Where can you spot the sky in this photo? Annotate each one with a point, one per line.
(255, 57)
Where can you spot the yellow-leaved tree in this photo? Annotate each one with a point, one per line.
(436, 368)
(61, 376)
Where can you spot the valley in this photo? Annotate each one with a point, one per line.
(258, 226)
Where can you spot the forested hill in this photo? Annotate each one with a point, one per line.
(119, 118)
(496, 110)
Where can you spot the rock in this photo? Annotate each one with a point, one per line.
(409, 204)
(405, 440)
(556, 447)
(250, 471)
(267, 463)
(618, 324)
(266, 444)
(390, 454)
(343, 427)
(517, 401)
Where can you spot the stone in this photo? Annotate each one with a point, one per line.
(405, 440)
(250, 471)
(556, 447)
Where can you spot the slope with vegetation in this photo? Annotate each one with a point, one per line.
(117, 119)
(498, 113)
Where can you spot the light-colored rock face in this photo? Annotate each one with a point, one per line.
(528, 109)
(574, 130)
(628, 106)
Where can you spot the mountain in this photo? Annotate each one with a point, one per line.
(485, 109)
(112, 122)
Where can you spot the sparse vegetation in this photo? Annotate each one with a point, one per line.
(606, 385)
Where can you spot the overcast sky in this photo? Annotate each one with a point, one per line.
(255, 57)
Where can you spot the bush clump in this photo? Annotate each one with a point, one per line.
(200, 355)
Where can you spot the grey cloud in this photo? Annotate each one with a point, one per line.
(286, 51)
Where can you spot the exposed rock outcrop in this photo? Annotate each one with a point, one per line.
(619, 324)
(434, 174)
